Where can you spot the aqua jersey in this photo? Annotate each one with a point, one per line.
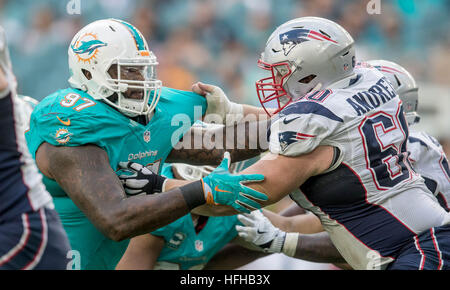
(71, 117)
(184, 249)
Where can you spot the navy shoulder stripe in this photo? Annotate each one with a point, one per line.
(354, 80)
(309, 108)
(417, 140)
(431, 184)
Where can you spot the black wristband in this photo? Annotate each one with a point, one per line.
(193, 194)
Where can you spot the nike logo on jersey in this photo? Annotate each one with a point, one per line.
(287, 121)
(65, 123)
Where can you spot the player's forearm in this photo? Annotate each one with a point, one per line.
(258, 112)
(233, 256)
(285, 174)
(142, 253)
(243, 141)
(119, 217)
(317, 248)
(303, 223)
(206, 147)
(85, 175)
(174, 183)
(143, 214)
(293, 210)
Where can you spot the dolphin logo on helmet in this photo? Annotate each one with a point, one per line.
(88, 46)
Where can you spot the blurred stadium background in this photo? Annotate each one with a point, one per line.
(219, 42)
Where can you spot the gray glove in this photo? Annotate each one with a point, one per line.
(139, 179)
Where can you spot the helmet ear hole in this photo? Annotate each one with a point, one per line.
(307, 79)
(113, 98)
(87, 74)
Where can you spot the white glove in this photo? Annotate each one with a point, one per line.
(261, 232)
(219, 104)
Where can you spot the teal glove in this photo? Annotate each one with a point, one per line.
(222, 187)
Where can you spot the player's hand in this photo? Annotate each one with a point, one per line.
(137, 179)
(222, 187)
(218, 103)
(259, 231)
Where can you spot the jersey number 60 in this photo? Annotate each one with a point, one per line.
(384, 141)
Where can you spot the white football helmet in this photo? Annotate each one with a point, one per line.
(106, 43)
(404, 84)
(191, 172)
(304, 54)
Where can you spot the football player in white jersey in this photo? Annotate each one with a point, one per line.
(31, 234)
(427, 156)
(340, 136)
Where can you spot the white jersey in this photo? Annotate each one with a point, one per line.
(21, 187)
(371, 201)
(428, 158)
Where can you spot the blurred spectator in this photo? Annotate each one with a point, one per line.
(220, 41)
(440, 62)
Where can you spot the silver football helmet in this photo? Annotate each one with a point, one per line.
(404, 84)
(304, 54)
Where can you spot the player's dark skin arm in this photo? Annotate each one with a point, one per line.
(233, 256)
(316, 247)
(310, 247)
(85, 175)
(243, 141)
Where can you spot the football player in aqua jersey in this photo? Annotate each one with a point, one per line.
(116, 110)
(340, 137)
